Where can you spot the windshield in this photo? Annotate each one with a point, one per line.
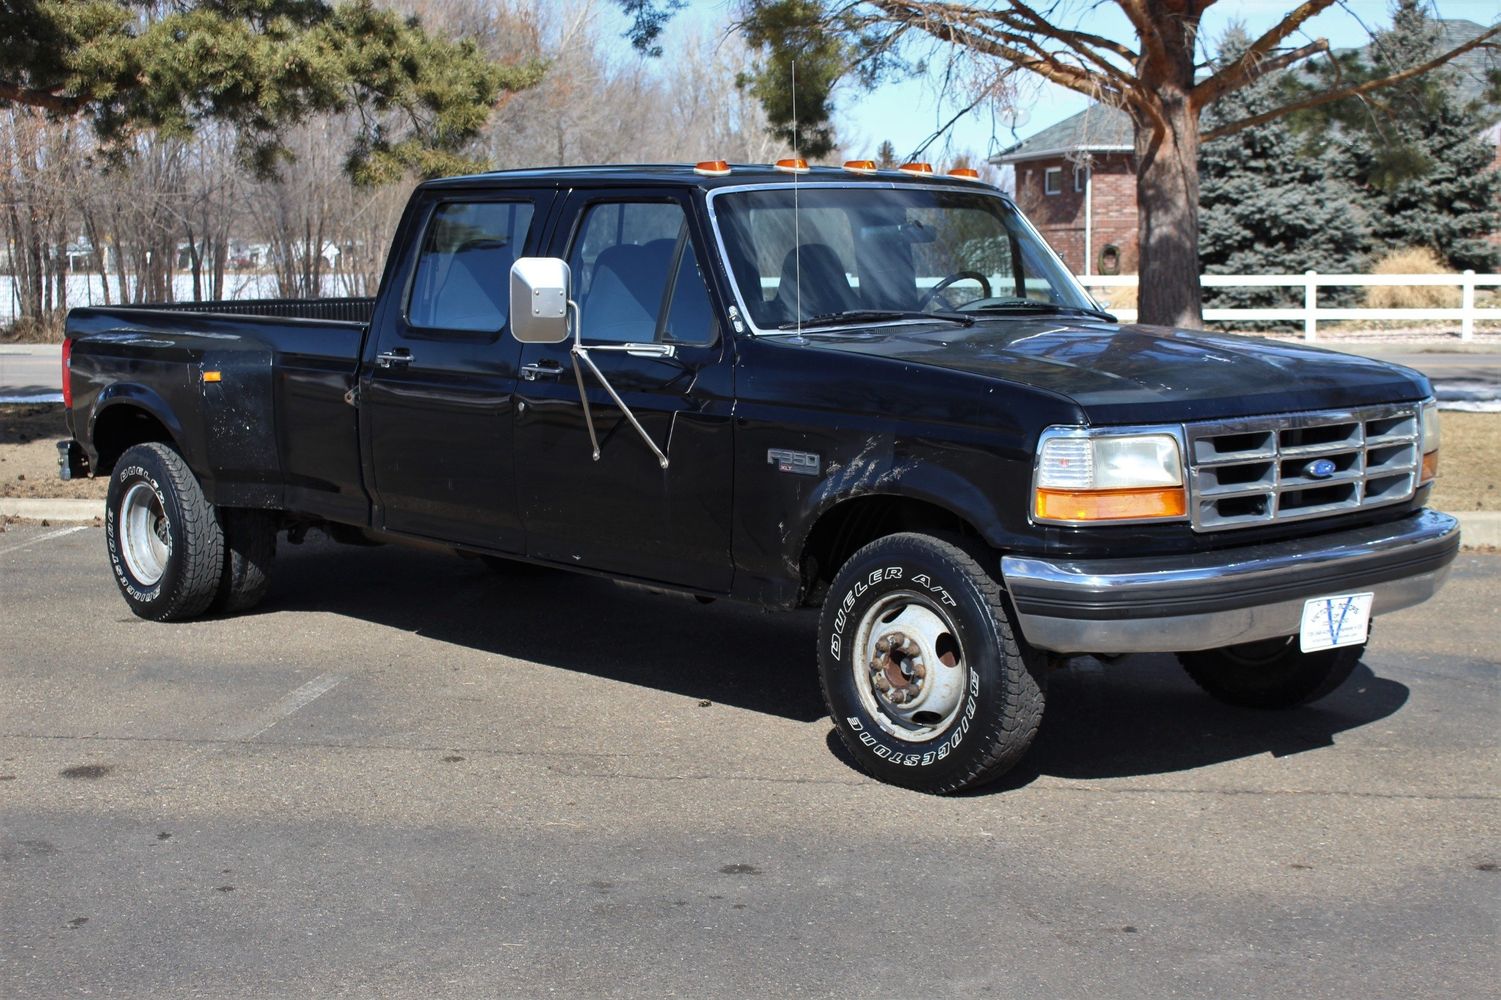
(878, 249)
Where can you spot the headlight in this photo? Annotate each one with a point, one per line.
(1430, 441)
(1086, 476)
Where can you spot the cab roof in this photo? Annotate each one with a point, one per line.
(683, 175)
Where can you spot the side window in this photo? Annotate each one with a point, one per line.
(636, 276)
(462, 281)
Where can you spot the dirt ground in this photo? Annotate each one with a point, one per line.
(1469, 470)
(28, 455)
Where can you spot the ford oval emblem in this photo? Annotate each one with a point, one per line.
(1320, 468)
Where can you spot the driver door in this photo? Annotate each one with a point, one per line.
(639, 275)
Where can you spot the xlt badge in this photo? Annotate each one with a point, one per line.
(800, 463)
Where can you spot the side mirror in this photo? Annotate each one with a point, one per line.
(539, 300)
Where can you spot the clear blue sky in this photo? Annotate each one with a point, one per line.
(909, 111)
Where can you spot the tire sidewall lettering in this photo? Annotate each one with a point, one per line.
(124, 477)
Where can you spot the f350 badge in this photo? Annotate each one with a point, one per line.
(799, 463)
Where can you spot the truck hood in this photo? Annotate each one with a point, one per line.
(1113, 371)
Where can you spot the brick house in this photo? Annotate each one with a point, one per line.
(1076, 181)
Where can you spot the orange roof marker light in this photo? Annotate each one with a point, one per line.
(968, 173)
(791, 166)
(860, 166)
(916, 168)
(712, 168)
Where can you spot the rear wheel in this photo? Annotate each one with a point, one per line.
(249, 550)
(928, 683)
(1273, 673)
(165, 543)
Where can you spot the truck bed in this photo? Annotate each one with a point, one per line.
(255, 398)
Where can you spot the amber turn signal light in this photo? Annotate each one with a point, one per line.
(1110, 505)
(860, 166)
(917, 168)
(792, 166)
(1430, 467)
(712, 168)
(213, 376)
(968, 173)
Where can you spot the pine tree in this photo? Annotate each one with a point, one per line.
(1417, 149)
(258, 66)
(1265, 209)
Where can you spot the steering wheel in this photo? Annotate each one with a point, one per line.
(946, 282)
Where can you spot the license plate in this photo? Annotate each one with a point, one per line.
(1330, 622)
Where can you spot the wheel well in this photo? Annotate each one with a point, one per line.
(122, 426)
(845, 528)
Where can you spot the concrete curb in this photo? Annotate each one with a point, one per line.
(1480, 528)
(55, 511)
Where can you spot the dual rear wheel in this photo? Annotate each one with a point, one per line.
(175, 555)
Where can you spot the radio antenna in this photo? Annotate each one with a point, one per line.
(797, 235)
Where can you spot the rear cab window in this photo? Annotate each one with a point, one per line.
(461, 281)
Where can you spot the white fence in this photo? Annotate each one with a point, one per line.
(88, 290)
(1311, 313)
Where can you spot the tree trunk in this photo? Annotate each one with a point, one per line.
(1167, 205)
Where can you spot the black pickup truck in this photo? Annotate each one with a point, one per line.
(879, 392)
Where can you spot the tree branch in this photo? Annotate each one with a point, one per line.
(45, 99)
(957, 24)
(1241, 74)
(1483, 39)
(1152, 48)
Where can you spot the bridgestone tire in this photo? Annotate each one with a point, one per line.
(1270, 674)
(249, 551)
(919, 586)
(153, 494)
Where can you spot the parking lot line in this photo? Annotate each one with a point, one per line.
(293, 701)
(42, 538)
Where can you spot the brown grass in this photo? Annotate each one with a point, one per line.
(27, 330)
(1413, 260)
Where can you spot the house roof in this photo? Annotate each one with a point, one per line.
(1099, 128)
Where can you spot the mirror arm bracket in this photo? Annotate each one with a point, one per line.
(580, 352)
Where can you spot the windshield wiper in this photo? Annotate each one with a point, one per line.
(877, 316)
(1029, 306)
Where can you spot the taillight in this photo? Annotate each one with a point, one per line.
(68, 373)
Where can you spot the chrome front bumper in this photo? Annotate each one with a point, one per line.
(1204, 600)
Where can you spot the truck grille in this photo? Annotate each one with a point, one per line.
(1260, 470)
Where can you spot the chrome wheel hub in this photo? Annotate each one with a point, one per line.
(145, 542)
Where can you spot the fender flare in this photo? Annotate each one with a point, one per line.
(142, 398)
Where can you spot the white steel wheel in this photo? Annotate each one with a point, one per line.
(911, 675)
(145, 539)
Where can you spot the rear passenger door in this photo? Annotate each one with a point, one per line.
(640, 275)
(436, 400)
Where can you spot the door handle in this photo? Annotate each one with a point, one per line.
(548, 369)
(391, 359)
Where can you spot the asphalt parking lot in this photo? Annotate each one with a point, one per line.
(406, 776)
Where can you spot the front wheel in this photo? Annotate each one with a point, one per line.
(166, 545)
(928, 682)
(1273, 673)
